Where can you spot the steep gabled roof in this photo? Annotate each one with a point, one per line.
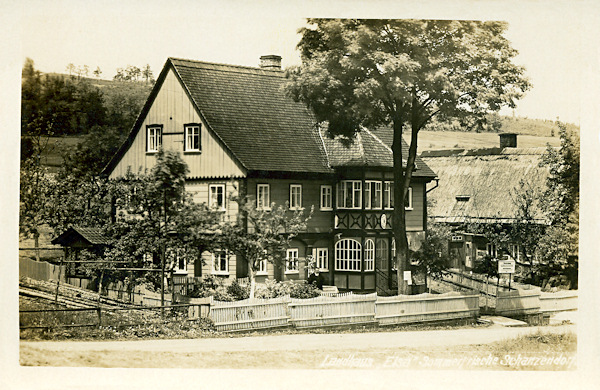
(88, 235)
(249, 111)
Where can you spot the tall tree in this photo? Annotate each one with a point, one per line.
(403, 73)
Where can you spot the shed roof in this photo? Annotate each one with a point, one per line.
(89, 235)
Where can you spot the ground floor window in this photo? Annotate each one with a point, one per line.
(220, 263)
(369, 255)
(322, 259)
(492, 250)
(291, 261)
(262, 267)
(347, 255)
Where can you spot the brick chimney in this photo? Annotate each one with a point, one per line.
(271, 61)
(508, 140)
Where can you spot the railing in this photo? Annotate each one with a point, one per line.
(403, 309)
(328, 310)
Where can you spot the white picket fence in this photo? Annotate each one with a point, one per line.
(404, 309)
(343, 309)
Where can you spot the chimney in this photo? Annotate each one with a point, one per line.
(508, 140)
(271, 61)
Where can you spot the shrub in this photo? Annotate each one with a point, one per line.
(237, 291)
(274, 289)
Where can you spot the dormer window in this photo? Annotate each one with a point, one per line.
(153, 138)
(191, 140)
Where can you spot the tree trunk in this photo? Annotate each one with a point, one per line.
(36, 244)
(251, 276)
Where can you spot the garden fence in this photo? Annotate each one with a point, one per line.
(324, 310)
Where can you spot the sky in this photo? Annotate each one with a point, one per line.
(110, 35)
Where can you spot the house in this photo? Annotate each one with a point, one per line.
(241, 135)
(479, 186)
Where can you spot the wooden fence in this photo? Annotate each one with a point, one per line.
(404, 309)
(40, 270)
(342, 309)
(249, 314)
(558, 301)
(517, 302)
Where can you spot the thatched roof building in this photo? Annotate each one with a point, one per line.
(480, 185)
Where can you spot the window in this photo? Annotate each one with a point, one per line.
(491, 250)
(394, 254)
(515, 251)
(295, 196)
(347, 255)
(322, 263)
(263, 201)
(262, 267)
(408, 204)
(349, 194)
(326, 198)
(369, 255)
(291, 261)
(154, 138)
(388, 194)
(192, 138)
(216, 196)
(372, 195)
(220, 263)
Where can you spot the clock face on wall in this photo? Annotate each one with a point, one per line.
(383, 220)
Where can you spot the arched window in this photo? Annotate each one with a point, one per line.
(381, 253)
(369, 255)
(347, 255)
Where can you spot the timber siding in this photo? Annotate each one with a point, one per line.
(173, 109)
(200, 194)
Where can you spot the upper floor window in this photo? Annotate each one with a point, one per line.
(220, 263)
(216, 195)
(349, 194)
(372, 194)
(408, 202)
(347, 255)
(191, 138)
(295, 196)
(326, 198)
(291, 260)
(153, 138)
(263, 199)
(388, 194)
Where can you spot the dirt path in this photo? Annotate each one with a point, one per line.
(282, 351)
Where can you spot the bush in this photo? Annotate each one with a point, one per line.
(274, 289)
(211, 286)
(237, 291)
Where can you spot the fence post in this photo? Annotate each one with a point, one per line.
(99, 311)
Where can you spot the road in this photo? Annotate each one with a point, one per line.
(277, 351)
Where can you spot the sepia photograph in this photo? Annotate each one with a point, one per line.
(259, 195)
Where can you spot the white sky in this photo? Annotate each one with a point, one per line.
(112, 34)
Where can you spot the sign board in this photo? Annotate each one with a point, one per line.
(407, 277)
(506, 266)
(457, 238)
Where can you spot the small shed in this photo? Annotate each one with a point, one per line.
(74, 240)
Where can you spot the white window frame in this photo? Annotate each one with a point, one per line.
(216, 259)
(291, 261)
(348, 255)
(371, 194)
(515, 251)
(369, 254)
(410, 199)
(211, 200)
(326, 198)
(322, 259)
(154, 140)
(263, 202)
(262, 267)
(355, 196)
(388, 187)
(295, 196)
(189, 134)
